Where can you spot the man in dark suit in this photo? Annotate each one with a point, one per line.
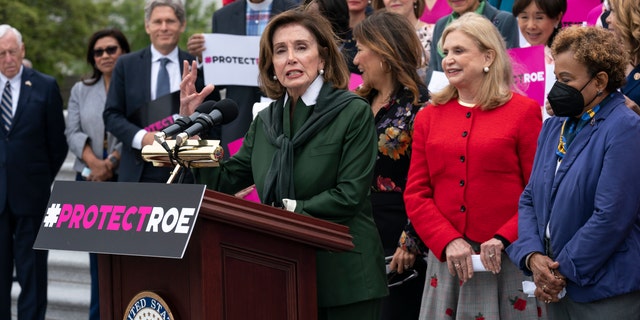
(232, 19)
(32, 149)
(134, 86)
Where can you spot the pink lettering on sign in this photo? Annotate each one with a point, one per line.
(529, 71)
(120, 218)
(161, 124)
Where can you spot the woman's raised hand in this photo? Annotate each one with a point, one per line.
(190, 98)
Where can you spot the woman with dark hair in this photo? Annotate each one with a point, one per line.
(97, 152)
(539, 21)
(95, 159)
(389, 54)
(337, 13)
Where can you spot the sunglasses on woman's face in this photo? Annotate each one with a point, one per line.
(110, 50)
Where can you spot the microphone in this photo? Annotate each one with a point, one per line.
(182, 123)
(223, 112)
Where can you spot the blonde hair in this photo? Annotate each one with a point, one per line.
(627, 25)
(495, 88)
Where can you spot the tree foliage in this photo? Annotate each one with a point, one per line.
(55, 32)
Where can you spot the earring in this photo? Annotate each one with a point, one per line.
(369, 2)
(321, 72)
(415, 5)
(599, 93)
(486, 69)
(275, 78)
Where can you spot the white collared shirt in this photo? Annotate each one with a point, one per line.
(311, 95)
(173, 68)
(15, 89)
(175, 78)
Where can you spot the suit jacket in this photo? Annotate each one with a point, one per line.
(332, 175)
(85, 124)
(35, 148)
(632, 88)
(590, 203)
(130, 89)
(231, 19)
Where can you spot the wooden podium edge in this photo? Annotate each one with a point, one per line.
(276, 222)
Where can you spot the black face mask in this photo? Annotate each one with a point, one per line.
(567, 101)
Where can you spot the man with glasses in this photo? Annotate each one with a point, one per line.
(32, 149)
(141, 77)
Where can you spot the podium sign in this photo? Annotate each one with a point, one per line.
(139, 219)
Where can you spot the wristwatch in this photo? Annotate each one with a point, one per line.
(113, 159)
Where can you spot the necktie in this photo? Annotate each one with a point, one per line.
(163, 86)
(6, 107)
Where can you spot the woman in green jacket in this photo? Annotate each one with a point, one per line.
(312, 151)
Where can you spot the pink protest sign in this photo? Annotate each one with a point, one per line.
(529, 71)
(233, 147)
(354, 81)
(577, 11)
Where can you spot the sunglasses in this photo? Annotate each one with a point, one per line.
(110, 50)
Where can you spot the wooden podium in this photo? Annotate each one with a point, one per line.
(244, 261)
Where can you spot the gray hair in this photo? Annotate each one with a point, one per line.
(4, 28)
(176, 5)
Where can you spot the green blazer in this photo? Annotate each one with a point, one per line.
(332, 173)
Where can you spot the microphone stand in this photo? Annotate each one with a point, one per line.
(174, 173)
(192, 154)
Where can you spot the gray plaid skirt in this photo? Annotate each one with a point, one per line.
(484, 297)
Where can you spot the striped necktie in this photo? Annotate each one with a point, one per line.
(6, 107)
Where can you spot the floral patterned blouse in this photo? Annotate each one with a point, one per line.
(394, 125)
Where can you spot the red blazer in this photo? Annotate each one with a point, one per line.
(468, 169)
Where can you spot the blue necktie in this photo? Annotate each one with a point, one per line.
(163, 86)
(6, 107)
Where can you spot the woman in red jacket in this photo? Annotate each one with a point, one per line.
(472, 155)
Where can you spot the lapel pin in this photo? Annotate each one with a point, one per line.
(27, 83)
(636, 76)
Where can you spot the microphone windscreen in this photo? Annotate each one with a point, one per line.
(206, 106)
(229, 110)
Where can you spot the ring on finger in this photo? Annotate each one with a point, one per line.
(457, 265)
(491, 255)
(406, 266)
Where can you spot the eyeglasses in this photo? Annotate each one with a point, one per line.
(110, 50)
(396, 279)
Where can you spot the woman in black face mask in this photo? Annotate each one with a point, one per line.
(579, 216)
